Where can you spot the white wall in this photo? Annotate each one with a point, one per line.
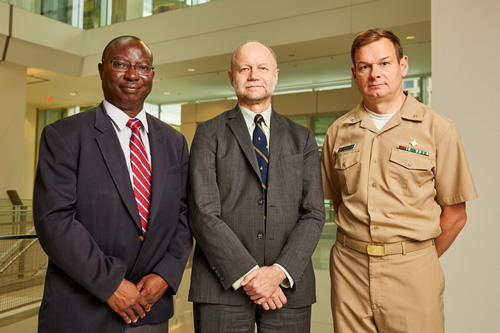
(465, 74)
(12, 111)
(30, 148)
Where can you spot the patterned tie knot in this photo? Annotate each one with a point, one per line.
(134, 124)
(258, 119)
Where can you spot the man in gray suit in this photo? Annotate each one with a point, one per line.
(256, 209)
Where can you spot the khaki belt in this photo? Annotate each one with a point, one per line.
(379, 250)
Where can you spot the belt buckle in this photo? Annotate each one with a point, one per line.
(377, 250)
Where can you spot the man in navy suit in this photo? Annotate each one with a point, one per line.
(108, 272)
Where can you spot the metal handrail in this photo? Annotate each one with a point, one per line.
(10, 237)
(17, 211)
(20, 253)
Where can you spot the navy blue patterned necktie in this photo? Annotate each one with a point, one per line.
(261, 149)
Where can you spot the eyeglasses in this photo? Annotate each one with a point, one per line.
(123, 66)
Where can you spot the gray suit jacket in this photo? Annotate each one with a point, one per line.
(87, 221)
(226, 208)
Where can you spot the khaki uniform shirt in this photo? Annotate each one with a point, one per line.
(389, 194)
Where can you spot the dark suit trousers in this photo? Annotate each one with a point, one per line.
(219, 318)
(148, 328)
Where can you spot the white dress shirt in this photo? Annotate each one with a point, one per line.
(119, 120)
(249, 117)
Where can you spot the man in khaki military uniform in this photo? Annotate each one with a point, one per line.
(398, 177)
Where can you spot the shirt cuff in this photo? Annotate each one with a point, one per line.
(288, 282)
(238, 282)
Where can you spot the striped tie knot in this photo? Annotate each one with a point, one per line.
(134, 124)
(141, 172)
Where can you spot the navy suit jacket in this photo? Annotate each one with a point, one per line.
(88, 223)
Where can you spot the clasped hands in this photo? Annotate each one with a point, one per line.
(263, 287)
(132, 301)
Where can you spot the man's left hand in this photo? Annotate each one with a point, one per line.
(152, 287)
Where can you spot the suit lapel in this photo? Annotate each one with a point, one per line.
(159, 163)
(237, 124)
(112, 154)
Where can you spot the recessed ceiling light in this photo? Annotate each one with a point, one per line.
(73, 93)
(191, 69)
(410, 37)
(166, 93)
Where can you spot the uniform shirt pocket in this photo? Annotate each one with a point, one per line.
(409, 172)
(348, 168)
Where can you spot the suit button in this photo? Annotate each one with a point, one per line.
(260, 235)
(140, 239)
(261, 201)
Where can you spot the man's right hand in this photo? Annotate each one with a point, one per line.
(128, 302)
(276, 301)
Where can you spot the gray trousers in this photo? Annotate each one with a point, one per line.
(218, 318)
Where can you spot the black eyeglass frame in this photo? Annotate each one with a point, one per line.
(140, 72)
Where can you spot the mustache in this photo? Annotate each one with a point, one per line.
(254, 84)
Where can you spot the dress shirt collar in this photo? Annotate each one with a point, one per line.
(249, 116)
(120, 118)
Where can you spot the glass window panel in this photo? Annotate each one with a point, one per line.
(160, 6)
(152, 109)
(31, 5)
(300, 120)
(427, 90)
(119, 11)
(320, 126)
(413, 86)
(60, 10)
(171, 114)
(91, 14)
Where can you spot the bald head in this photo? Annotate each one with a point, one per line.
(245, 45)
(123, 40)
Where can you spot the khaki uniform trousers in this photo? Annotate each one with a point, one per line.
(387, 294)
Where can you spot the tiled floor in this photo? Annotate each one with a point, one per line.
(26, 322)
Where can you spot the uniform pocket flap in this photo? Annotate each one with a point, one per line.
(347, 159)
(410, 160)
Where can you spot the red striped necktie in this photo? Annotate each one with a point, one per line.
(141, 172)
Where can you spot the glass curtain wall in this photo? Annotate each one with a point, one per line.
(61, 10)
(90, 14)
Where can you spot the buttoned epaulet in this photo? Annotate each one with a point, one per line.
(413, 109)
(354, 116)
(415, 115)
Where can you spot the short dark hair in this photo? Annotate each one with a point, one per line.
(373, 35)
(119, 38)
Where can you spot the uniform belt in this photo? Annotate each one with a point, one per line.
(379, 249)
